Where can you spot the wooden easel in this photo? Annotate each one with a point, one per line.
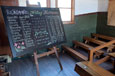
(36, 56)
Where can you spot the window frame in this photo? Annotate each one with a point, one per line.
(48, 2)
(72, 11)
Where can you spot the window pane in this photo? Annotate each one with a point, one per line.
(35, 2)
(53, 4)
(65, 14)
(64, 3)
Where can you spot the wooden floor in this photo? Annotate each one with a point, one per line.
(48, 66)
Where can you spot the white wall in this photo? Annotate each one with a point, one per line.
(102, 5)
(89, 6)
(85, 6)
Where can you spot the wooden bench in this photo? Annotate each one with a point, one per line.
(91, 69)
(113, 56)
(103, 37)
(93, 40)
(110, 55)
(88, 47)
(74, 53)
(109, 48)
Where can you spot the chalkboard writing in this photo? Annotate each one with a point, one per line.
(30, 29)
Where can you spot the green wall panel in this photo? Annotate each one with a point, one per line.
(84, 26)
(102, 27)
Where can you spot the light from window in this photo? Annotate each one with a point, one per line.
(35, 2)
(65, 9)
(65, 14)
(53, 3)
(64, 3)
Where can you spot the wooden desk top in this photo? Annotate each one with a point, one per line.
(112, 54)
(90, 69)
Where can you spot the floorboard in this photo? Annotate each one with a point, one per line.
(48, 66)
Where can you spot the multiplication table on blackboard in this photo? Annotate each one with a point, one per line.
(31, 28)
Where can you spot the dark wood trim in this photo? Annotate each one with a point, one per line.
(90, 14)
(101, 12)
(85, 14)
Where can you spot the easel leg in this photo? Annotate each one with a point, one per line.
(54, 48)
(36, 62)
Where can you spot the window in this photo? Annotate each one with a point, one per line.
(35, 2)
(67, 8)
(41, 3)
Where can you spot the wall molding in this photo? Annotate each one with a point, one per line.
(90, 14)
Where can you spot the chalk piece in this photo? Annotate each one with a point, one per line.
(22, 43)
(18, 47)
(15, 44)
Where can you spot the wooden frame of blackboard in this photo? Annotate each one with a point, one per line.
(36, 56)
(15, 54)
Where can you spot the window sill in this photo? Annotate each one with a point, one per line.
(68, 22)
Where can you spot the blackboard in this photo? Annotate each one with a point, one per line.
(30, 28)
